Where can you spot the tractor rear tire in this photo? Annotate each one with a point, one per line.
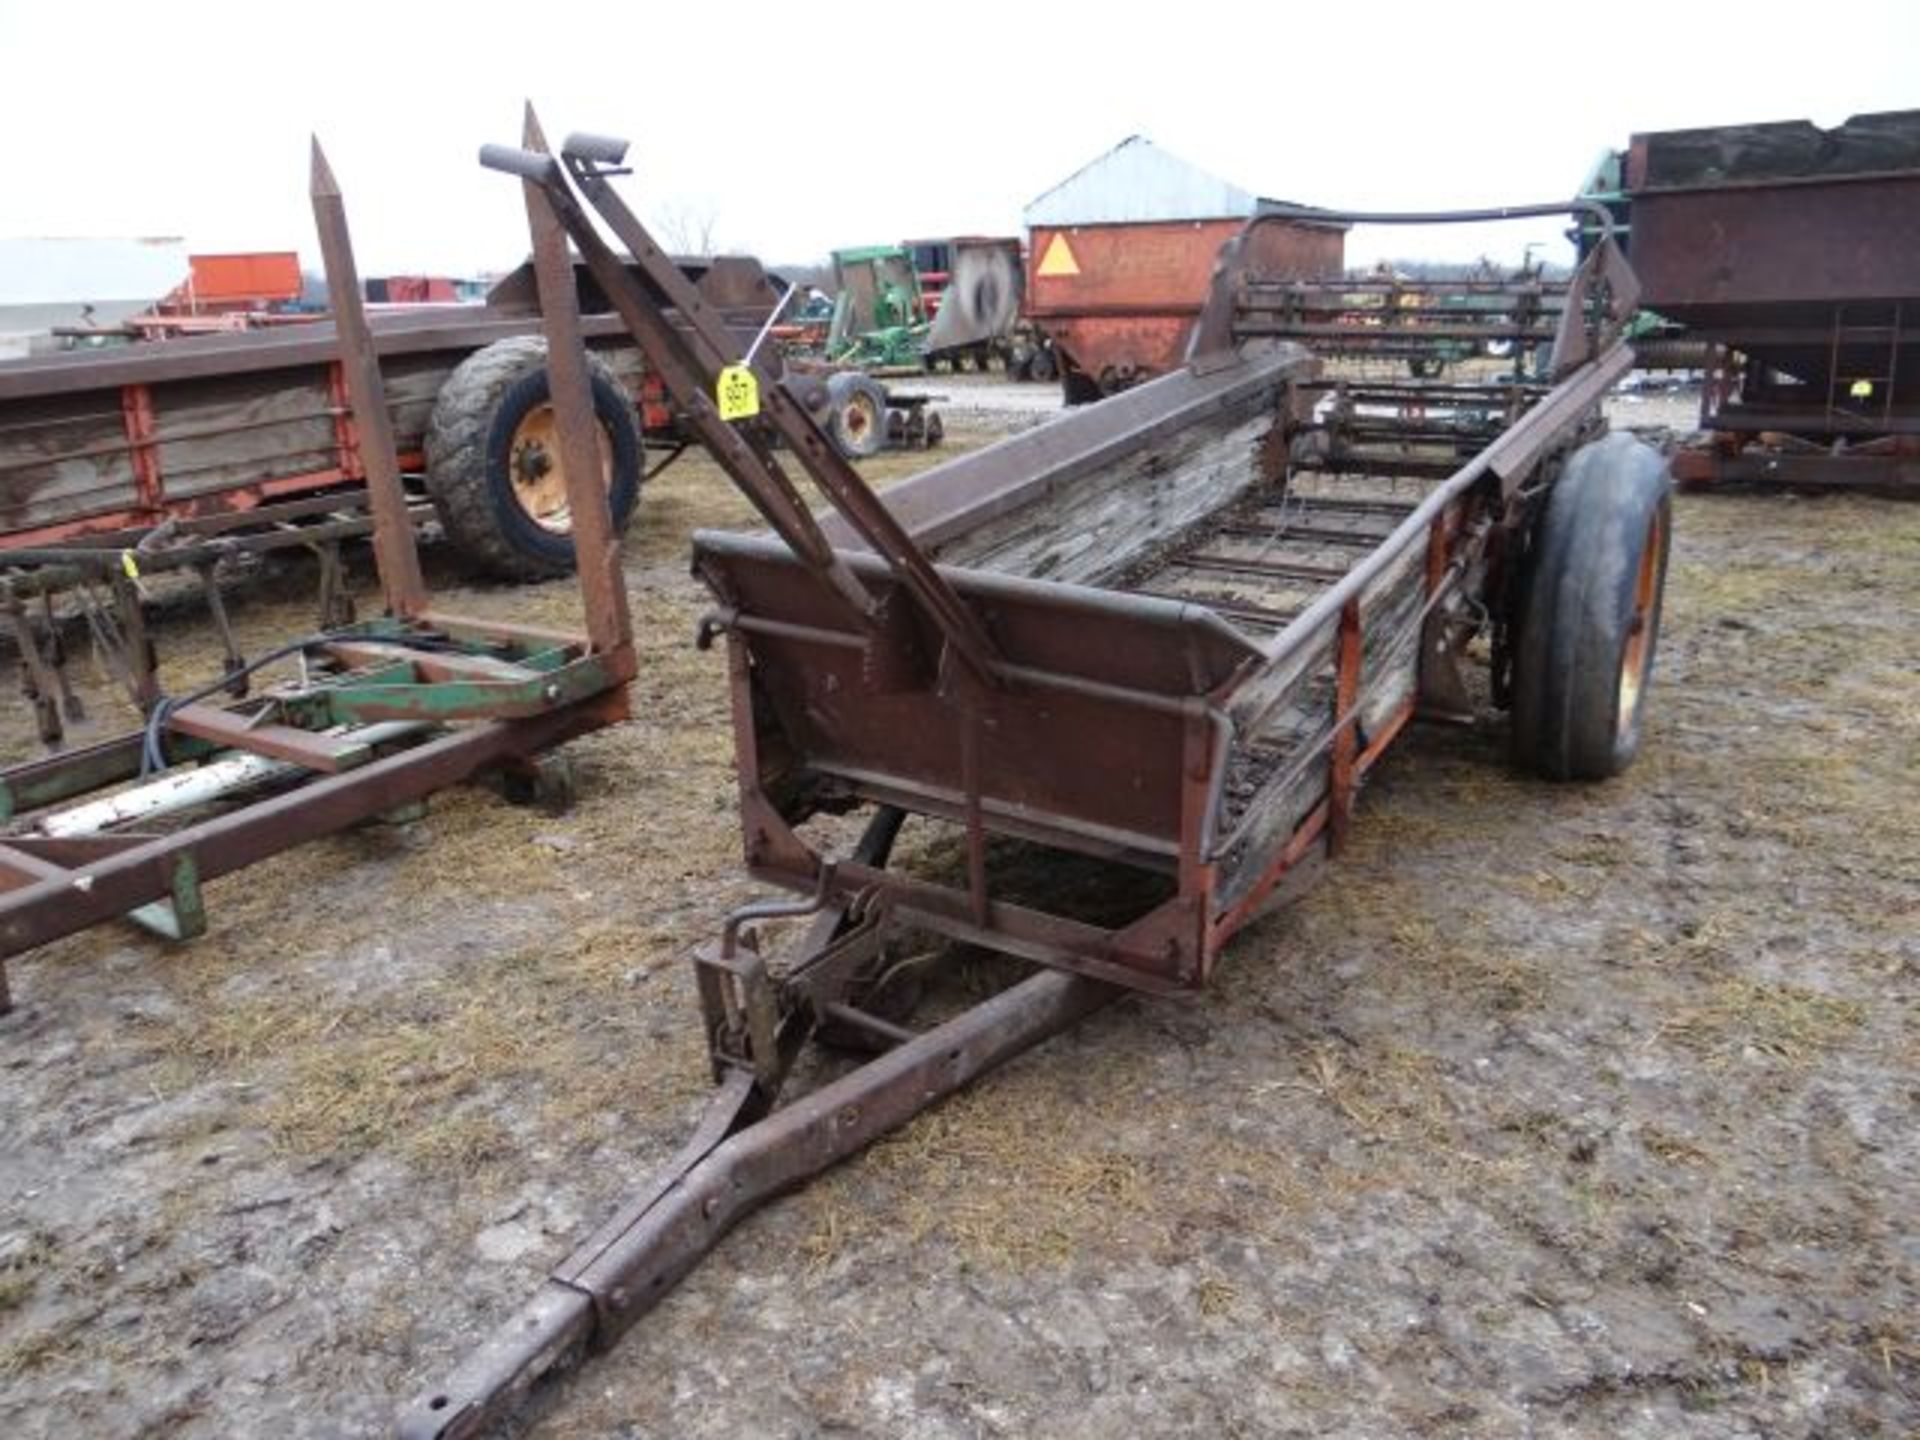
(856, 414)
(1590, 625)
(493, 463)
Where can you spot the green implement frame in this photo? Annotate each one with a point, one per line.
(380, 714)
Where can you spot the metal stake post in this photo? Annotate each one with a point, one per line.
(595, 546)
(393, 548)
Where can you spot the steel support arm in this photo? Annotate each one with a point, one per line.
(689, 363)
(631, 1263)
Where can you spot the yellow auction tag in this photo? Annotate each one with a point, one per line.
(129, 564)
(737, 393)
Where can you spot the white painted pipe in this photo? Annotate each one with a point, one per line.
(188, 788)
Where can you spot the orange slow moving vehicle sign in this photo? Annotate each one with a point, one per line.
(1058, 259)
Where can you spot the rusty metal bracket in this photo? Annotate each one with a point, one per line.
(690, 363)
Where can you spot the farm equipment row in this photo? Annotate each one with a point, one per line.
(243, 442)
(902, 309)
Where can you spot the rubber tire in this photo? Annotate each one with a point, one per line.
(842, 387)
(469, 442)
(1578, 611)
(1041, 367)
(1078, 389)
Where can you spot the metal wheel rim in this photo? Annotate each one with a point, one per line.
(1639, 647)
(539, 474)
(860, 417)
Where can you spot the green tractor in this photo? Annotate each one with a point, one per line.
(880, 321)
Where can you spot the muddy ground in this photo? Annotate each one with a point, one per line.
(1551, 1111)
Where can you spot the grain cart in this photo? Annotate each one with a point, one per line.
(1786, 260)
(1171, 632)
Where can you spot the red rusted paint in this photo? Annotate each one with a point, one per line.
(1296, 850)
(136, 411)
(1346, 740)
(346, 435)
(1128, 311)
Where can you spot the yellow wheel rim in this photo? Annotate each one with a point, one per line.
(539, 474)
(1639, 648)
(861, 418)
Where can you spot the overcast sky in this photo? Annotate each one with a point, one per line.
(792, 129)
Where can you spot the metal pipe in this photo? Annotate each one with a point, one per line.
(778, 310)
(859, 1019)
(601, 149)
(1296, 214)
(181, 790)
(512, 160)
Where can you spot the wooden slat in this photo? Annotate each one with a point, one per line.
(465, 627)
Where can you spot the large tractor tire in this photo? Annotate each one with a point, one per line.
(494, 467)
(1591, 619)
(856, 414)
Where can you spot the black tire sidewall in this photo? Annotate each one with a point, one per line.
(521, 531)
(468, 455)
(1578, 611)
(841, 389)
(1078, 388)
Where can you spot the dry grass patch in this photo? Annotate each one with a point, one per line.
(560, 1022)
(32, 1351)
(1013, 1179)
(1786, 1022)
